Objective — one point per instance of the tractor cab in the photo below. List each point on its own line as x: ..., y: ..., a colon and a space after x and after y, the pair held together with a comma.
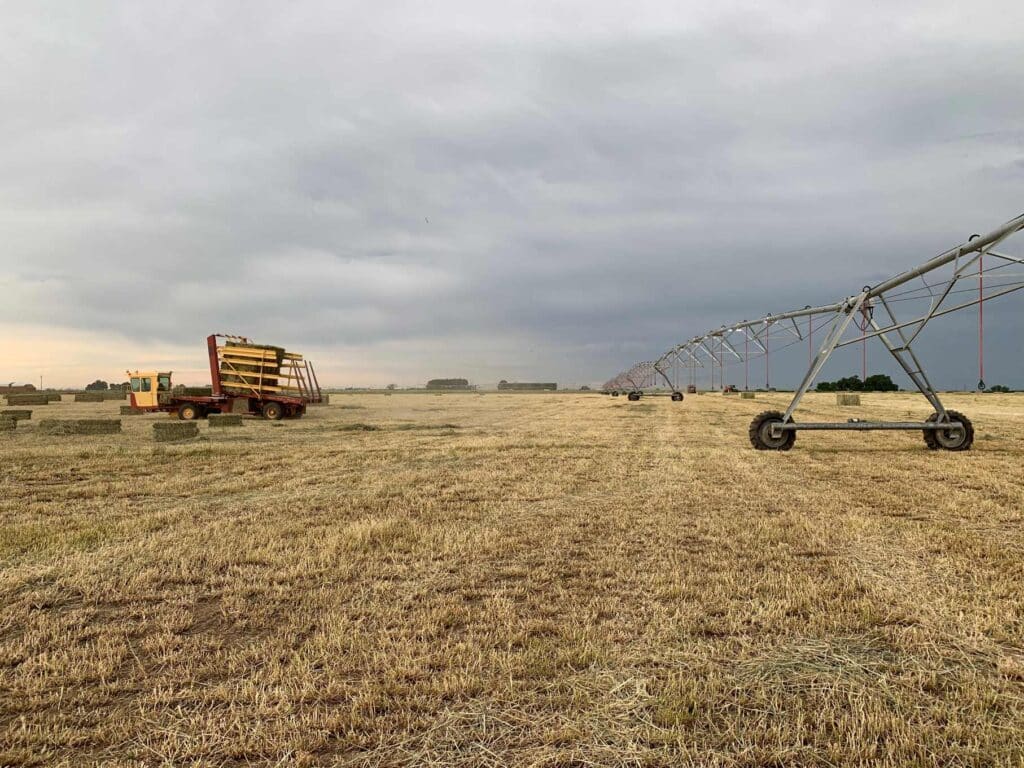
x: 147, y: 386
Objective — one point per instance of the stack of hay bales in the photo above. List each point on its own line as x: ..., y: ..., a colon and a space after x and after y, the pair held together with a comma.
x: 224, y: 420
x: 172, y: 431
x: 35, y: 398
x: 15, y: 414
x: 90, y: 397
x: 53, y: 397
x: 245, y: 367
x: 182, y: 391
x: 747, y: 395
x: 127, y: 410
x: 114, y: 394
x: 847, y: 398
x: 7, y: 424
x: 79, y: 426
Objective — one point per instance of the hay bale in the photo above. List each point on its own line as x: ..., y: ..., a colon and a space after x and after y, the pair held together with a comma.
x: 171, y: 431
x: 127, y: 410
x: 16, y: 415
x: 7, y: 425
x: 89, y: 397
x: 747, y: 395
x: 224, y: 420
x: 79, y: 426
x: 53, y: 397
x: 847, y: 398
x: 114, y: 394
x: 28, y: 399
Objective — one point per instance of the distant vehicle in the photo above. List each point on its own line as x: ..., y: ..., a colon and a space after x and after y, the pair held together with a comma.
x: 248, y: 378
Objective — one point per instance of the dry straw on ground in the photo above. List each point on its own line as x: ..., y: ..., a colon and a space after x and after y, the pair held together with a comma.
x: 225, y: 420
x: 566, y: 580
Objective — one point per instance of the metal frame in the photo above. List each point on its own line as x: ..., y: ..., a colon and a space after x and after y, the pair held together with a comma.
x: 880, y: 320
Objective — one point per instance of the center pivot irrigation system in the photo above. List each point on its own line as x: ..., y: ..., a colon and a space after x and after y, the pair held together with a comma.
x: 894, y: 312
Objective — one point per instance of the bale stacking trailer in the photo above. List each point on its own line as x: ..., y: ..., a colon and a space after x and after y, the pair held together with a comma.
x: 257, y: 379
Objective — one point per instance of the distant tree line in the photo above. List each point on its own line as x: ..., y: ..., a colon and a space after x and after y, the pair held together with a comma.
x: 876, y: 382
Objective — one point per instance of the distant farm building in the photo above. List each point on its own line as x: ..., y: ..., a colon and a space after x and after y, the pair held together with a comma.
x: 448, y: 384
x: 528, y: 386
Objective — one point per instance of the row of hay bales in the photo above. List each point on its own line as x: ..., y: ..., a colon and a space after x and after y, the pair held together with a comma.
x: 45, y: 398
x: 163, y: 431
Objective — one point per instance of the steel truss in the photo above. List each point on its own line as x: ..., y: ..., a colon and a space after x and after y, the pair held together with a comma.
x: 892, y: 312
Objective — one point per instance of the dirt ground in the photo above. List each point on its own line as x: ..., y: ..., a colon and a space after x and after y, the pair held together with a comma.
x: 501, y: 579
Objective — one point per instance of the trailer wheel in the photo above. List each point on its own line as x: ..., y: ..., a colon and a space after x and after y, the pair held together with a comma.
x: 953, y: 439
x: 272, y: 411
x: 189, y: 412
x: 634, y: 396
x: 677, y: 397
x: 761, y: 433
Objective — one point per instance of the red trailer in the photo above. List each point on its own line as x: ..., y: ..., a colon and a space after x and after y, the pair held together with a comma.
x: 247, y: 378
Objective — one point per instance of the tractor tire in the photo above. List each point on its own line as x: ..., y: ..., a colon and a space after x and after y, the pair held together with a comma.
x: 761, y: 435
x: 189, y: 412
x: 677, y: 397
x: 950, y: 439
x: 633, y: 396
x: 272, y: 411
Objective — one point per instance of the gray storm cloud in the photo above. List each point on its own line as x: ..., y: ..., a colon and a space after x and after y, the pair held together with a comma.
x: 574, y: 186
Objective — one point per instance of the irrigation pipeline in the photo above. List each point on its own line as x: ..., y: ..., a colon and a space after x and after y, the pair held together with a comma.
x: 875, y: 309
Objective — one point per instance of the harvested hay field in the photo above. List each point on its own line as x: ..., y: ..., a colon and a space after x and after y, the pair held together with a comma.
x: 566, y: 580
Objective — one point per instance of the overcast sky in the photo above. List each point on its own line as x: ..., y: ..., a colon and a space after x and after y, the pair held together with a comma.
x: 492, y: 190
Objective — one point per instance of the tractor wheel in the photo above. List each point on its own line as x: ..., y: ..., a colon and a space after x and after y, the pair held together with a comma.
x: 189, y: 412
x: 633, y: 396
x: 677, y: 397
x: 272, y: 411
x: 761, y: 433
x: 953, y: 439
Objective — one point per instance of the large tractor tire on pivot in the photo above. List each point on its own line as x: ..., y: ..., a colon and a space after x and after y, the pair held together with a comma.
x: 677, y: 397
x: 761, y: 433
x: 952, y: 439
x: 633, y: 396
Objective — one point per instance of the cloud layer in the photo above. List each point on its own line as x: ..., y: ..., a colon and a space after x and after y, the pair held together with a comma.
x: 552, y: 191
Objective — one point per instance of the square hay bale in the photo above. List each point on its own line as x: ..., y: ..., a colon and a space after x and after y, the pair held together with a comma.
x: 28, y: 399
x: 747, y: 395
x: 7, y: 425
x: 53, y: 397
x: 15, y: 414
x: 127, y: 410
x: 89, y: 397
x: 847, y: 398
x: 224, y: 420
x: 79, y: 426
x: 172, y: 431
x: 114, y: 394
